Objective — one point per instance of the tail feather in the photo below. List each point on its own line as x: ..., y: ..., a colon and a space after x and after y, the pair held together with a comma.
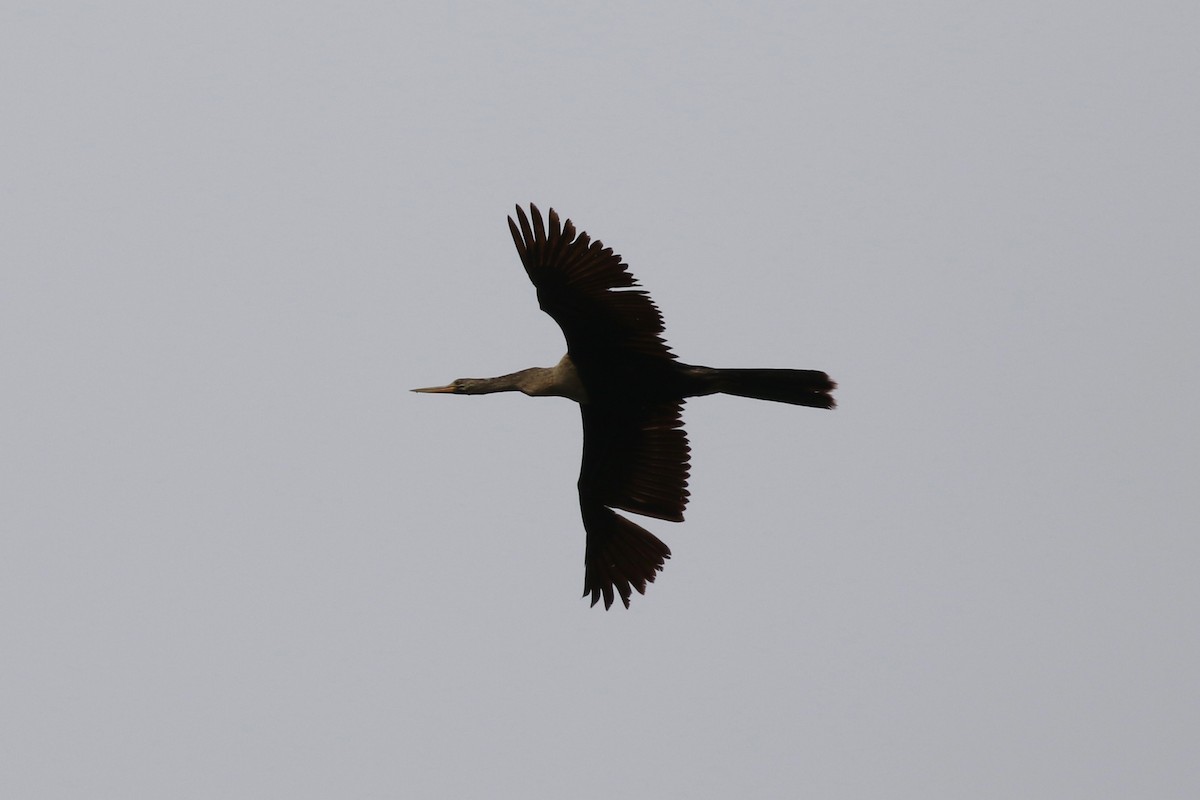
x: 801, y: 387
x: 621, y: 556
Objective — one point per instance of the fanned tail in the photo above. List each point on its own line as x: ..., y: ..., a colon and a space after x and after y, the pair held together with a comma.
x: 620, y: 556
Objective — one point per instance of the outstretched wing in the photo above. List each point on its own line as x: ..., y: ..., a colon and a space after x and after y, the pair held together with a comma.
x: 634, y: 458
x: 635, y: 452
x: 588, y: 291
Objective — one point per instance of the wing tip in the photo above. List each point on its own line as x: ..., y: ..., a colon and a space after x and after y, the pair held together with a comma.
x: 621, y: 557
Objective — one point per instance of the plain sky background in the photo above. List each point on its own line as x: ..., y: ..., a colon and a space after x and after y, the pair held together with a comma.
x: 240, y: 560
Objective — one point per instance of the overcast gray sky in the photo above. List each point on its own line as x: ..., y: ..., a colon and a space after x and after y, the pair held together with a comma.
x: 240, y: 560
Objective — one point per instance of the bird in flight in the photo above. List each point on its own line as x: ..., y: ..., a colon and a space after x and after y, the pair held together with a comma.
x: 630, y: 389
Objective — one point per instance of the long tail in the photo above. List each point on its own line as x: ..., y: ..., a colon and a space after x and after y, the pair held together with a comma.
x: 801, y: 387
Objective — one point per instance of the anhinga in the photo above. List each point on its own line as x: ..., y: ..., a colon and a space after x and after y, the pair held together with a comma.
x: 630, y: 390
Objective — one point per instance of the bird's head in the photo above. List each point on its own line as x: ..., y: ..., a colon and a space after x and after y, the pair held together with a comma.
x: 514, y: 382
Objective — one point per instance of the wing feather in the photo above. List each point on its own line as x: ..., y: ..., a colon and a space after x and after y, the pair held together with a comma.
x: 621, y: 556
x: 588, y: 290
x: 636, y: 458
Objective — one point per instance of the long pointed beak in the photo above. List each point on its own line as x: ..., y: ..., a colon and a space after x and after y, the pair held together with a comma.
x: 448, y: 389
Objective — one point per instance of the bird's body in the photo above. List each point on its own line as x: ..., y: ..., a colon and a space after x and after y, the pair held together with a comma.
x: 630, y: 389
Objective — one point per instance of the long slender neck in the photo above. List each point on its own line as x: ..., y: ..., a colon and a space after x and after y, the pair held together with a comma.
x: 561, y: 380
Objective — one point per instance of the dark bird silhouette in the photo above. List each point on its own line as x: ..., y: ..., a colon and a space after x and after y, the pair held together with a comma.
x: 630, y: 389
